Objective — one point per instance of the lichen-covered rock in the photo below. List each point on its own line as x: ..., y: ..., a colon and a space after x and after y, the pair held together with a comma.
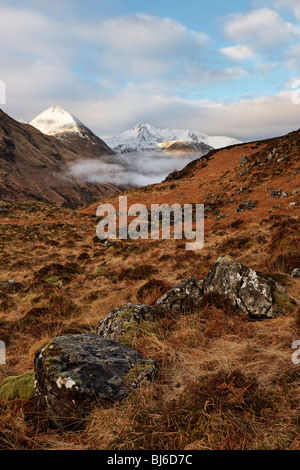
x: 118, y: 320
x: 19, y: 387
x: 75, y: 372
x: 246, y: 290
x: 184, y: 296
x: 296, y: 272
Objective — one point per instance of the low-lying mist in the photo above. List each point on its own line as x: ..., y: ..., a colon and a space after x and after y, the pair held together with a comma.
x: 134, y: 169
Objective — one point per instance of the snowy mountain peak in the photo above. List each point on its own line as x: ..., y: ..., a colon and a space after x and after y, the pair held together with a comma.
x: 144, y: 137
x: 56, y: 120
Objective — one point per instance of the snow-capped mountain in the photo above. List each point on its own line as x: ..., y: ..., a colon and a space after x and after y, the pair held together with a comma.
x: 71, y: 132
x: 145, y: 137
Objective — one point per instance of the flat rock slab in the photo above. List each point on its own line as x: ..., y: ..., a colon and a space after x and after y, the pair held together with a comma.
x: 75, y: 372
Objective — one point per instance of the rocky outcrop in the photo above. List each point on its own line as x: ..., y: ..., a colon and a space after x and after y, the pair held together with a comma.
x: 75, y: 372
x: 118, y: 320
x: 246, y: 290
x: 185, y: 296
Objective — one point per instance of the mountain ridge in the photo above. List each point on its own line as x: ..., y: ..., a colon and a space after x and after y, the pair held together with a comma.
x: 145, y: 137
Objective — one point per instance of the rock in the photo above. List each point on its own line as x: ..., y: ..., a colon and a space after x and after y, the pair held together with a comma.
x: 296, y: 272
x: 109, y: 243
x: 243, y: 160
x: 17, y: 387
x: 75, y: 372
x: 246, y: 290
x: 281, y: 159
x: 278, y: 193
x: 11, y: 285
x: 247, y: 205
x: 120, y: 319
x: 183, y: 297
x: 244, y: 172
x: 272, y: 154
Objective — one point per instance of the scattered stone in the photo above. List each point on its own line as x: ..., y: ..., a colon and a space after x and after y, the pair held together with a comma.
x: 240, y: 190
x: 109, y: 243
x: 19, y: 387
x: 272, y: 154
x: 281, y: 159
x: 278, y: 193
x: 246, y: 290
x: 118, y: 320
x: 75, y: 372
x: 11, y: 285
x: 243, y: 160
x: 244, y: 172
x: 247, y: 205
x: 296, y: 272
x: 185, y: 296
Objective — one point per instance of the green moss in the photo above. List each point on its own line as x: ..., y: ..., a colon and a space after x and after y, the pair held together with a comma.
x: 133, y: 329
x: 21, y: 387
x: 52, y: 280
x: 100, y: 271
x: 283, y: 301
x: 134, y: 373
x: 126, y: 314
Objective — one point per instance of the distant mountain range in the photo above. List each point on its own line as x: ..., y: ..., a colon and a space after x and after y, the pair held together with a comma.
x: 145, y: 137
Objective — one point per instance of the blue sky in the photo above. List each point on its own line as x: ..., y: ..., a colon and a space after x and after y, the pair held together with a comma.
x: 213, y: 66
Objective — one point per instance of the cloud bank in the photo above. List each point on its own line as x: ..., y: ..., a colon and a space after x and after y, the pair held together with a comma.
x: 117, y: 71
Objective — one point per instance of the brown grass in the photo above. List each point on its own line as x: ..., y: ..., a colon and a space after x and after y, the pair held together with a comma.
x: 224, y: 382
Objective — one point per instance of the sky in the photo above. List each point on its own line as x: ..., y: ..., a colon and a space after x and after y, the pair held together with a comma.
x: 222, y: 68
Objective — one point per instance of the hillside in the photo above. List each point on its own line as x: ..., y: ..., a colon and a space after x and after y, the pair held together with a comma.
x: 225, y: 381
x: 36, y: 167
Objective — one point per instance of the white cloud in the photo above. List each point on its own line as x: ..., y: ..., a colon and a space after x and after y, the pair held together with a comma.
x: 293, y: 56
x: 142, y: 45
x: 263, y: 29
x: 240, y: 52
x: 292, y: 4
x: 248, y: 119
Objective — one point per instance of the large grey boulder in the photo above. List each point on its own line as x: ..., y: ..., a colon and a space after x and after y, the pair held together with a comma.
x: 115, y: 324
x: 75, y: 372
x: 246, y: 290
x: 185, y: 296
